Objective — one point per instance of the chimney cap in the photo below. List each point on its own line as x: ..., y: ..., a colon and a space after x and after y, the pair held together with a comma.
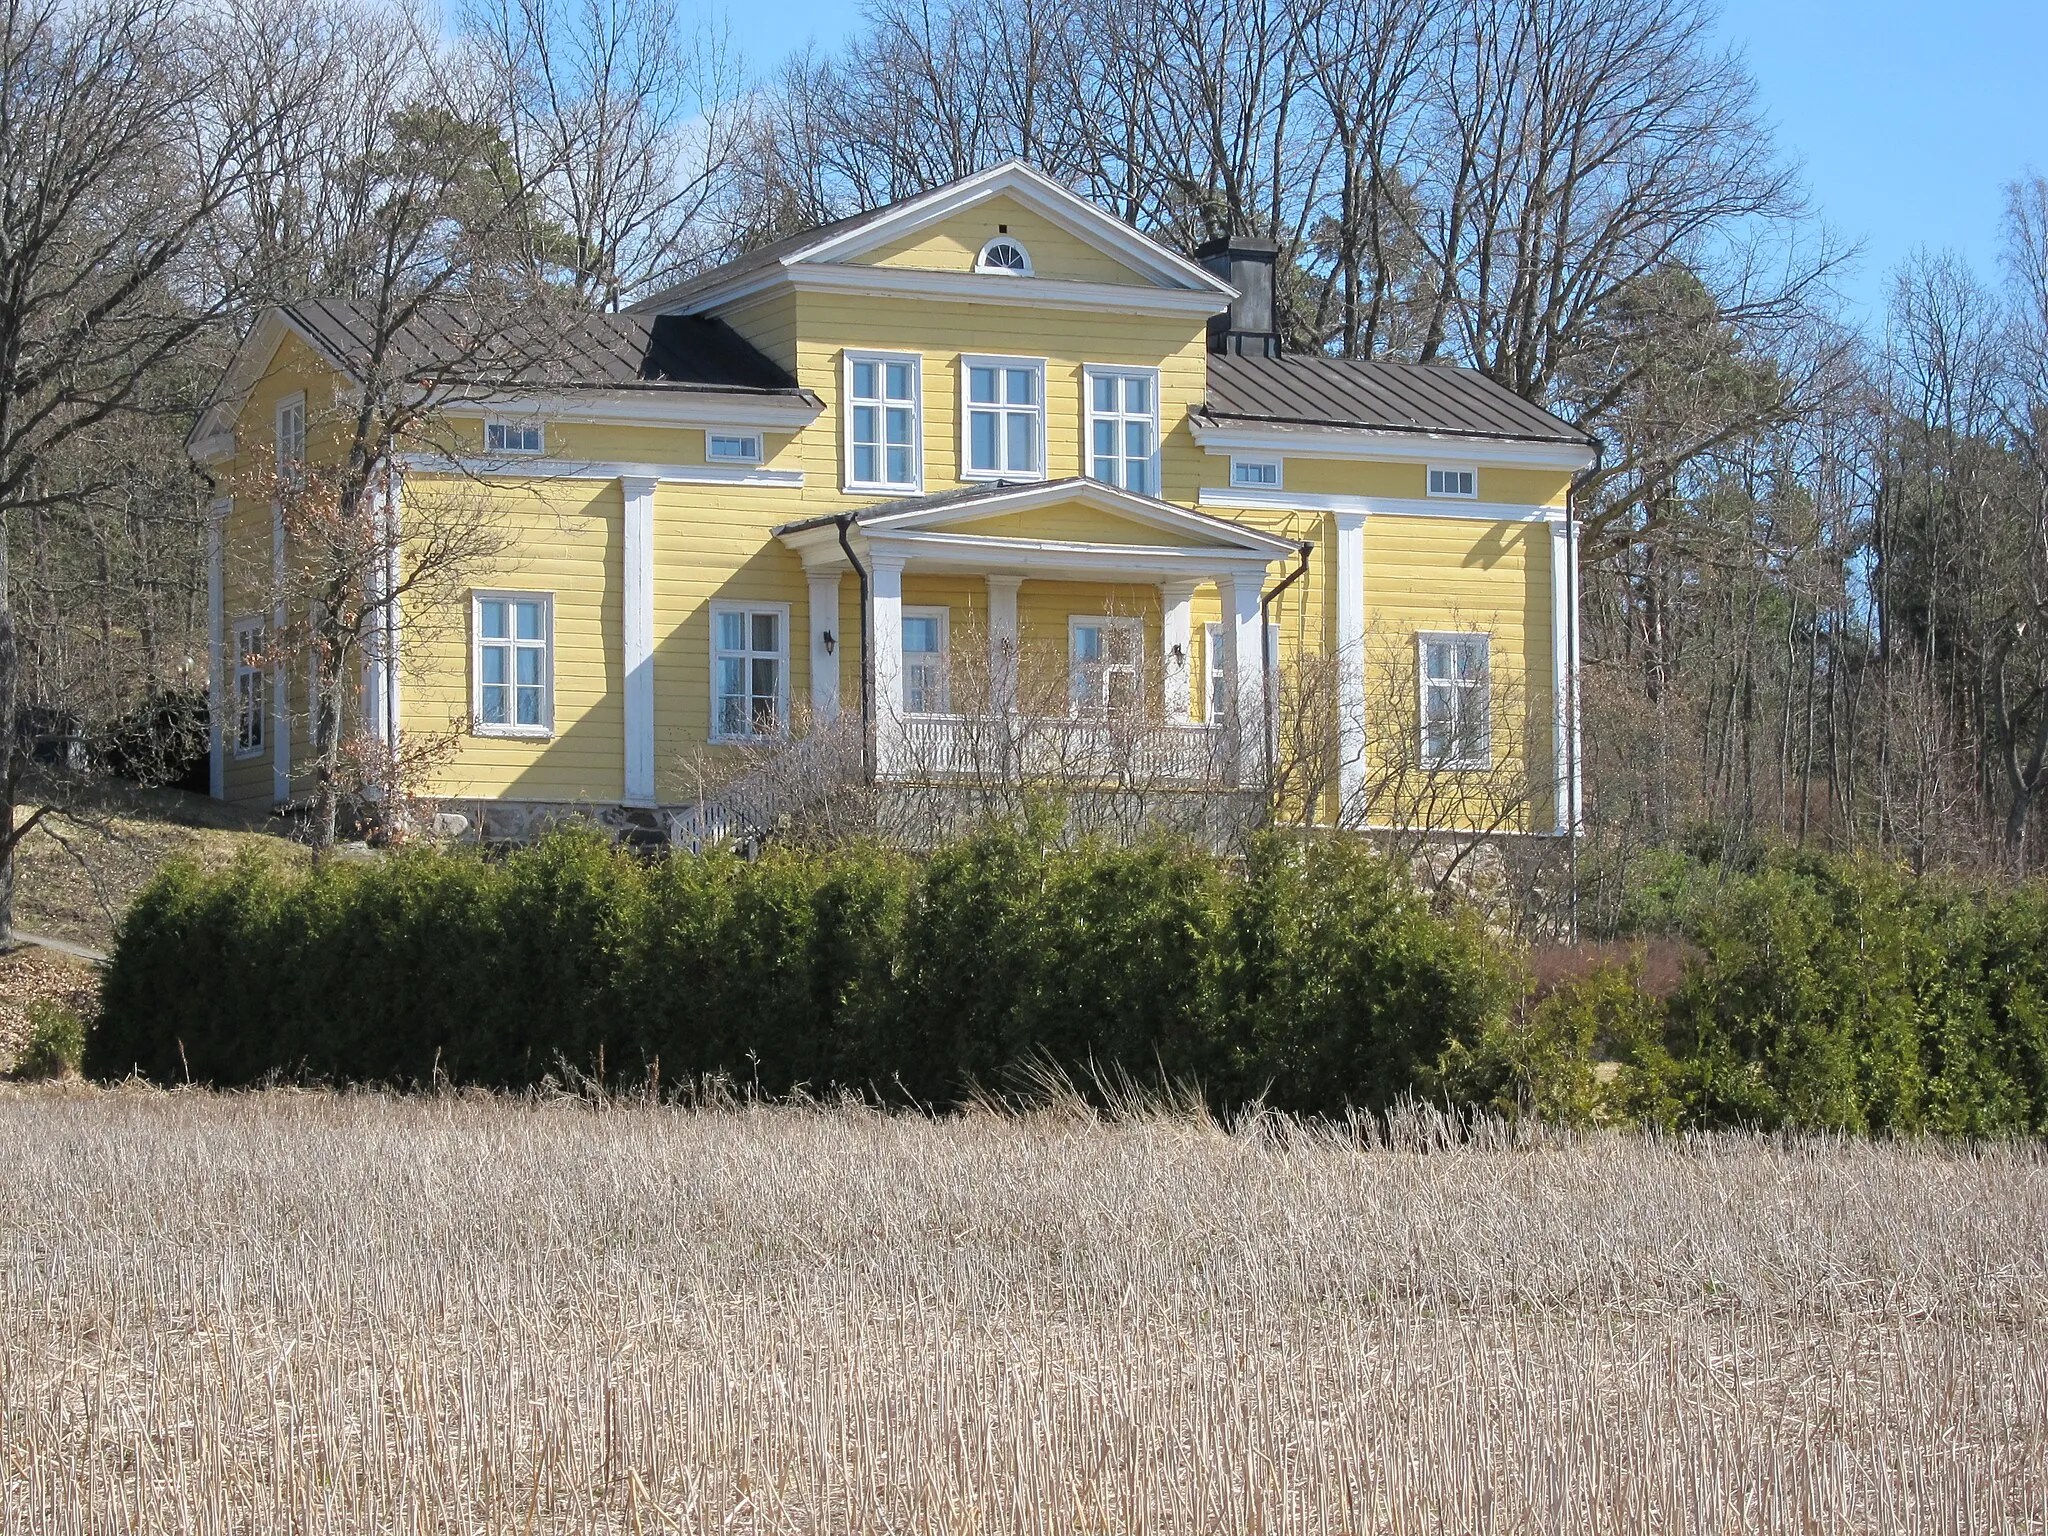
x: 1247, y: 245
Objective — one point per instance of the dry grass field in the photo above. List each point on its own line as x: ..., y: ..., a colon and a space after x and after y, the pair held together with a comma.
x: 295, y: 1312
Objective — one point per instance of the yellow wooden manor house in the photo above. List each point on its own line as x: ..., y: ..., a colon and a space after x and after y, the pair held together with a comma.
x: 987, y: 454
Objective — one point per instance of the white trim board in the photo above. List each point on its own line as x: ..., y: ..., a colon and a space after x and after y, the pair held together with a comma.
x: 1384, y: 506
x: 1400, y: 447
x: 592, y: 469
x: 632, y: 408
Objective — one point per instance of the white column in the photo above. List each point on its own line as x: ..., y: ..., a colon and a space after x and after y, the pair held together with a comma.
x: 1560, y: 672
x: 885, y: 583
x: 394, y: 676
x: 1350, y: 667
x: 1002, y: 643
x: 1176, y: 641
x: 827, y: 637
x: 1244, y: 673
x: 216, y: 690
x: 280, y: 675
x: 639, y: 637
x: 1573, y: 672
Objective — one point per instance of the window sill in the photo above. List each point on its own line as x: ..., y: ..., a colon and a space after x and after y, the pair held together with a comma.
x: 1002, y: 477
x: 856, y: 488
x: 250, y: 755
x: 515, y: 732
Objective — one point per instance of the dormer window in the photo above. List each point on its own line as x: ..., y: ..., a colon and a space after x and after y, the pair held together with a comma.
x: 1006, y: 256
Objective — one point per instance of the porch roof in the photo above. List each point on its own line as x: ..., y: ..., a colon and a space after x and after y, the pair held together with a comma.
x: 951, y: 530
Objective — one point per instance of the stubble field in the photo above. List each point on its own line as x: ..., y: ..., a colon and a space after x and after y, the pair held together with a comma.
x: 298, y: 1312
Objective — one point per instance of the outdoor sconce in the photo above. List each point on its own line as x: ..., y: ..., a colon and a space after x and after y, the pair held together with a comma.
x: 1180, y: 657
x: 830, y: 644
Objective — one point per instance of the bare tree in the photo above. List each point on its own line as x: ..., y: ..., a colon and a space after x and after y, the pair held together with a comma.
x: 105, y: 180
x: 627, y: 124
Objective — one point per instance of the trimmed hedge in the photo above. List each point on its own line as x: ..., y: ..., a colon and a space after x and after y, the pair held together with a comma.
x: 1309, y: 974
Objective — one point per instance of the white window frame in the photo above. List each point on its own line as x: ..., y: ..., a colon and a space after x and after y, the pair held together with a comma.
x: 250, y: 688
x: 970, y: 361
x: 1478, y: 761
x: 751, y: 449
x: 1212, y: 665
x: 1099, y: 708
x: 945, y: 618
x: 290, y: 438
x: 1090, y: 372
x: 881, y: 361
x: 512, y: 728
x: 1262, y: 462
x: 505, y: 426
x: 1430, y: 481
x: 747, y: 610
x: 982, y: 264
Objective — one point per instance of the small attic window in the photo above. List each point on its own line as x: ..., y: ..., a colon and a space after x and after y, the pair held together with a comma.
x: 1005, y: 255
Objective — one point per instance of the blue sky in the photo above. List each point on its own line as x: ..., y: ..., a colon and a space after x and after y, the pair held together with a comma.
x: 1907, y: 118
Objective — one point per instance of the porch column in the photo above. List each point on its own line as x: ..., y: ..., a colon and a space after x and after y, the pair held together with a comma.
x: 1244, y: 673
x: 1176, y: 607
x: 1002, y: 643
x: 885, y: 582
x: 1350, y: 667
x: 825, y: 629
x: 638, y: 637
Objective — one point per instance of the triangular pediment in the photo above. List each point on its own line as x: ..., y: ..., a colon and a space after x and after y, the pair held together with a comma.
x: 927, y: 245
x: 1075, y: 512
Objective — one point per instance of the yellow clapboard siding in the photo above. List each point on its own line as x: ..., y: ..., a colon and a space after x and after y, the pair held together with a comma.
x: 952, y: 245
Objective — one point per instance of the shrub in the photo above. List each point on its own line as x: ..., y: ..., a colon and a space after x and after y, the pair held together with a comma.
x: 55, y: 1045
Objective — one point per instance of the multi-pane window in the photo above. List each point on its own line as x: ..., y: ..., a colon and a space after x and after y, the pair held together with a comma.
x: 1123, y: 429
x: 291, y: 439
x: 1005, y: 418
x: 732, y: 447
x: 1453, y: 481
x: 1255, y: 474
x: 924, y: 661
x: 1457, y: 707
x: 1005, y: 256
x: 249, y: 689
x: 1105, y: 657
x: 749, y: 672
x: 514, y: 673
x: 512, y: 437
x: 882, y: 392
x: 1219, y: 682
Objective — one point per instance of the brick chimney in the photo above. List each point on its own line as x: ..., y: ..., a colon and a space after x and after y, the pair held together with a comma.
x: 1247, y: 263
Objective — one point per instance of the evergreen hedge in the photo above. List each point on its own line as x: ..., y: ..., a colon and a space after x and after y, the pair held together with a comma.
x: 1309, y: 974
x: 1822, y: 993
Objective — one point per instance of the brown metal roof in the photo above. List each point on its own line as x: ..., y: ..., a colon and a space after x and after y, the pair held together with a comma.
x: 580, y: 350
x: 761, y: 258
x: 1311, y: 391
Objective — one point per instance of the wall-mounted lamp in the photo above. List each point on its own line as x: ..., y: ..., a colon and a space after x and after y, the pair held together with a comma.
x: 830, y: 644
x: 1180, y: 656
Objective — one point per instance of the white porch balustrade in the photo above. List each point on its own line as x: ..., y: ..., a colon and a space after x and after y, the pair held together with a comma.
x: 1081, y: 751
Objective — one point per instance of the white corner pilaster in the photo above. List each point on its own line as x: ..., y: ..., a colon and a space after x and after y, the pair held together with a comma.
x: 1560, y: 673
x: 828, y: 636
x: 638, y: 637
x: 1002, y: 642
x: 885, y: 583
x: 1244, y: 673
x: 1176, y: 640
x: 1350, y: 667
x: 216, y: 687
x: 280, y: 674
